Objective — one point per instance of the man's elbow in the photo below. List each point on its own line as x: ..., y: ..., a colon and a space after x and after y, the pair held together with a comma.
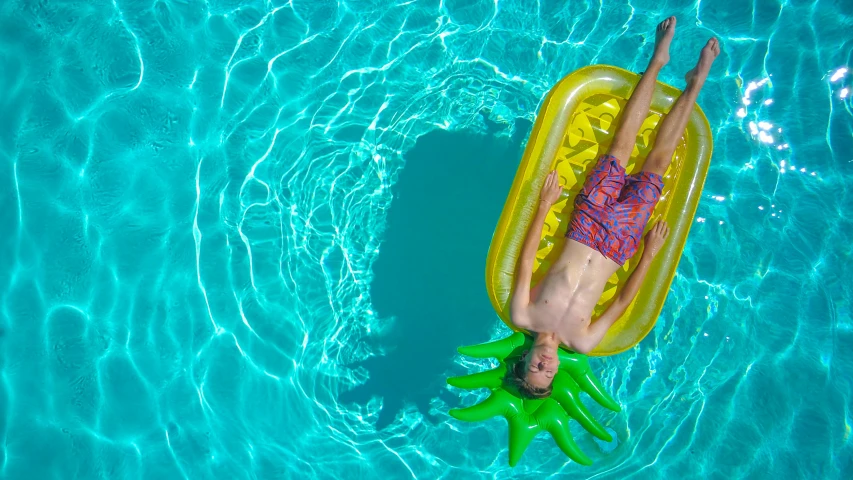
x: 622, y: 302
x: 583, y: 347
x: 587, y: 343
x: 519, y: 318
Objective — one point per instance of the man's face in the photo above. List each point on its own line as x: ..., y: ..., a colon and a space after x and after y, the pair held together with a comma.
x: 541, y: 364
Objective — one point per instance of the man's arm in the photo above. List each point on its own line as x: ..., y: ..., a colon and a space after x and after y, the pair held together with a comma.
x: 596, y: 331
x: 524, y: 270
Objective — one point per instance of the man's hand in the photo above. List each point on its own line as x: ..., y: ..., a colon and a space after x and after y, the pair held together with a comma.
x: 655, y: 238
x: 551, y: 190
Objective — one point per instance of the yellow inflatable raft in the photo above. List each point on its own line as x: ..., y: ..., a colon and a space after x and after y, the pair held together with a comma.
x: 574, y: 127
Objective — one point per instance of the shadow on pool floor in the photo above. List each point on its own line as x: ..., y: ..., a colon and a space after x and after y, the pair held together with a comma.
x: 429, y: 277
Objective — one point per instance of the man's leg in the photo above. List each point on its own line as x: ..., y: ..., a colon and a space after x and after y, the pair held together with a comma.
x: 637, y: 108
x: 676, y: 120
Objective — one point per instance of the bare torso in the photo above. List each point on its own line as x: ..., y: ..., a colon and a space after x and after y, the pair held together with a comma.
x: 564, y: 300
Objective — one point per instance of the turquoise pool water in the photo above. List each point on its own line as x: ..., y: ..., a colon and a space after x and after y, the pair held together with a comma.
x: 242, y: 239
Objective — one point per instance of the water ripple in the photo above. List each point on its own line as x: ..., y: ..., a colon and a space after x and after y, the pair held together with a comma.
x: 197, y: 193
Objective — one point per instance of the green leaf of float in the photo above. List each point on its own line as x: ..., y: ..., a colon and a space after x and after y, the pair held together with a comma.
x: 488, y: 379
x: 527, y: 417
x: 577, y: 365
x: 557, y: 424
x: 521, y: 433
x: 500, y: 402
x: 567, y: 393
x: 594, y: 389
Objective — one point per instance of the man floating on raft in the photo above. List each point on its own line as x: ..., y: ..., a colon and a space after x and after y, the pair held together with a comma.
x: 611, y: 212
x: 543, y: 367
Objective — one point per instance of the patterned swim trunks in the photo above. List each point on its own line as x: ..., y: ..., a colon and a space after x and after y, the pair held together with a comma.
x: 612, y: 209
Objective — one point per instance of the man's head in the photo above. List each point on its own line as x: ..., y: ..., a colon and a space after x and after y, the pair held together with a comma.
x: 534, y: 372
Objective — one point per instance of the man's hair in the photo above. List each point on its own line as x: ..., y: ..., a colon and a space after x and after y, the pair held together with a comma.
x: 516, y: 377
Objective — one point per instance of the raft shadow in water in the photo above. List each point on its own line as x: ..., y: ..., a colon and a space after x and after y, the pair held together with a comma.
x: 431, y: 266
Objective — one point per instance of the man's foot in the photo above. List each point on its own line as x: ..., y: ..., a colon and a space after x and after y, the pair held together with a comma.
x: 699, y: 73
x: 663, y: 37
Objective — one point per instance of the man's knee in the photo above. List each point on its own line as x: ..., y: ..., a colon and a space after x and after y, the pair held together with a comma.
x: 621, y: 150
x: 657, y: 162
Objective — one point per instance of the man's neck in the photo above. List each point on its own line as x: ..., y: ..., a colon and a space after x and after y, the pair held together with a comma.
x: 546, y: 338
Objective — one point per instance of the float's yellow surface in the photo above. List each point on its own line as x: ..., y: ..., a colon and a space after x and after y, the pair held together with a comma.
x: 574, y: 127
